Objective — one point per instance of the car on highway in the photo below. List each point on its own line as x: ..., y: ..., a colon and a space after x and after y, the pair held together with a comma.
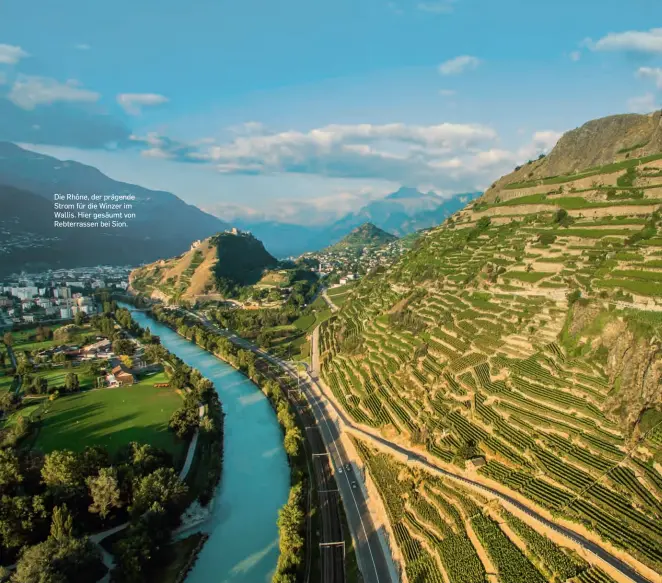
x: 348, y: 467
x: 354, y: 485
x: 340, y: 469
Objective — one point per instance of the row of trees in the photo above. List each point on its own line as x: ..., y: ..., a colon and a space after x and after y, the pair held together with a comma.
x: 292, y: 515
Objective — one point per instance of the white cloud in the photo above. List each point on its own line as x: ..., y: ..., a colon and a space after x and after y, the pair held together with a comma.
x: 82, y: 47
x: 459, y: 65
x: 447, y: 92
x: 437, y: 6
x: 133, y: 103
x: 632, y: 40
x: 446, y: 157
x: 11, y: 54
x: 653, y: 73
x: 29, y: 91
x: 547, y: 138
x: 642, y: 104
x: 575, y: 56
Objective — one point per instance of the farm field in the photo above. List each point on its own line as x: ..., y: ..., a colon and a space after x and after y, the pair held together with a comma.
x: 112, y: 418
x: 503, y: 339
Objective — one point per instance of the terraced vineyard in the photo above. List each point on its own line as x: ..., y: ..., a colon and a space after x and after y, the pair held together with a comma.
x: 525, y: 330
x: 446, y: 533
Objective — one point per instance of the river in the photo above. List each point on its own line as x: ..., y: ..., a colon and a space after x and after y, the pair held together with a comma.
x: 243, y: 541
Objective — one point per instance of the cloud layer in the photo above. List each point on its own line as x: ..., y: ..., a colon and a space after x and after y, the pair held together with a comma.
x: 446, y: 156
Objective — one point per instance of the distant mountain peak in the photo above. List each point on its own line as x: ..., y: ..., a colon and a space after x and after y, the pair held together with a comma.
x: 405, y: 192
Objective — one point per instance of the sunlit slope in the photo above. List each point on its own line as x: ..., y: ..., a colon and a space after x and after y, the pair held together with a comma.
x: 527, y: 330
x: 213, y: 268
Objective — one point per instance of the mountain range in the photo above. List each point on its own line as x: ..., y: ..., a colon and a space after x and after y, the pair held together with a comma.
x: 399, y: 213
x: 164, y: 224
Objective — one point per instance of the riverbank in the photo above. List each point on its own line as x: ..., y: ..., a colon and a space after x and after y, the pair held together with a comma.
x: 201, y: 418
x: 242, y: 547
x: 295, y: 556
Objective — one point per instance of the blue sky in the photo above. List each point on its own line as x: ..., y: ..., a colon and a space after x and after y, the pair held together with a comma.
x: 304, y: 109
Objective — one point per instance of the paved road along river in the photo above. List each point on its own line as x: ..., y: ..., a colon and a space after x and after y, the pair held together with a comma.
x: 243, y: 542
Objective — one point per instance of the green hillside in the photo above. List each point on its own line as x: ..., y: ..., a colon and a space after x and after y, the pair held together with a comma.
x: 367, y: 235
x: 527, y: 329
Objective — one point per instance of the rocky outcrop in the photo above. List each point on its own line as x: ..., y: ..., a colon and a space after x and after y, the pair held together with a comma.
x: 631, y: 357
x: 634, y: 366
x: 596, y: 143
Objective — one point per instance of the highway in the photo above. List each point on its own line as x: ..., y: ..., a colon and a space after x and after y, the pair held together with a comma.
x: 374, y: 559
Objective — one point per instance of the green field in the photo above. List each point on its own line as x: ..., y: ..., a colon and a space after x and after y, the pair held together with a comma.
x: 112, y: 418
x: 24, y: 339
x: 56, y: 377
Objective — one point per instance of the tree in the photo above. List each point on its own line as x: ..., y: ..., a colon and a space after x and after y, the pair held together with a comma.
x: 24, y: 367
x: 71, y: 382
x: 291, y: 518
x: 8, y: 339
x: 79, y: 319
x: 7, y: 400
x: 40, y: 385
x: 162, y: 488
x: 10, y: 469
x: 127, y: 361
x: 23, y: 520
x: 184, y: 421
x: 293, y: 439
x: 62, y: 525
x: 104, y: 491
x: 60, y: 561
x: 123, y: 346
x: 62, y: 471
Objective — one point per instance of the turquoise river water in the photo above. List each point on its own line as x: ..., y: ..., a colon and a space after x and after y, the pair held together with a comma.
x: 243, y: 541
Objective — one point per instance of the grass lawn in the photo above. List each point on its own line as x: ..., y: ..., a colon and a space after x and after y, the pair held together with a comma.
x: 113, y: 418
x: 5, y: 382
x: 56, y: 377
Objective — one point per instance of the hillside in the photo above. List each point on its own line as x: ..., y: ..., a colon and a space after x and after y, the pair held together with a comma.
x: 215, y: 268
x: 527, y: 330
x: 367, y: 235
x: 164, y: 224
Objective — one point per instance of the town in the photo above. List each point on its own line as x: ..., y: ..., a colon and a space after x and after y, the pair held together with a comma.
x: 56, y: 295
